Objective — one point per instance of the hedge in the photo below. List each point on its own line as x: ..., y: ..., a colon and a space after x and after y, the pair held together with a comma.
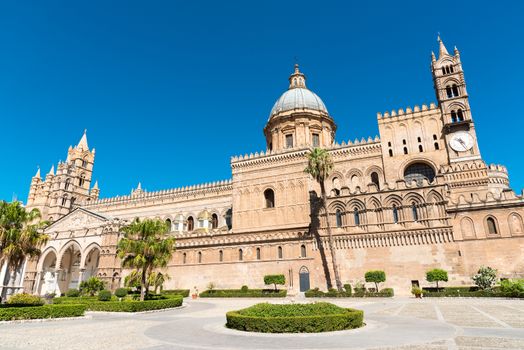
x: 182, y: 292
x: 37, y: 312
x: 333, y: 293
x: 238, y: 293
x: 469, y: 292
x: 134, y: 306
x: 294, y: 318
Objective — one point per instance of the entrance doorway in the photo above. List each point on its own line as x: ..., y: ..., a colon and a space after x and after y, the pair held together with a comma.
x: 304, y: 279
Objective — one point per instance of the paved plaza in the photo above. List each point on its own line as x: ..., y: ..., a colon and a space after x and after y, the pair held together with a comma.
x: 399, y: 323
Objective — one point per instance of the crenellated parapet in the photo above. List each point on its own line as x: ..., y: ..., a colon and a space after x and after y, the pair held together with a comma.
x: 408, y: 113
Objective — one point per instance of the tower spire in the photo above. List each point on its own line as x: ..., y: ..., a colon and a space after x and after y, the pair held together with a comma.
x: 442, y: 48
x: 297, y: 79
x: 82, y: 144
x: 52, y: 171
x: 37, y: 173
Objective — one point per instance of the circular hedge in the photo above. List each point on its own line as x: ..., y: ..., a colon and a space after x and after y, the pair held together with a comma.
x: 294, y: 318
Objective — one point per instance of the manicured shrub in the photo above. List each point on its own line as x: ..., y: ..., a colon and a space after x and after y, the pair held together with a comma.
x: 74, y: 300
x: 294, y: 318
x: 73, y: 293
x: 182, y: 292
x: 121, y: 292
x: 104, y: 295
x: 512, y: 288
x: 347, y: 288
x: 470, y: 292
x: 244, y: 289
x: 437, y: 275
x: 485, y: 277
x: 375, y: 276
x: 134, y: 306
x: 333, y: 293
x: 91, y: 286
x: 36, y: 312
x: 24, y: 299
x: 238, y: 293
x: 274, y: 280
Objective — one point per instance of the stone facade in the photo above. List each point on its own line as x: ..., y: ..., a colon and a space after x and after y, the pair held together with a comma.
x: 418, y: 197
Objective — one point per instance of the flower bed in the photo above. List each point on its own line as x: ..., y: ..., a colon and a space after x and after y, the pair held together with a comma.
x: 243, y: 293
x: 294, y: 318
x: 92, y: 304
x: 38, y: 312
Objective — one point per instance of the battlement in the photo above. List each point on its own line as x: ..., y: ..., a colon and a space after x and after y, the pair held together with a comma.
x: 472, y: 165
x: 217, y: 186
x: 408, y: 113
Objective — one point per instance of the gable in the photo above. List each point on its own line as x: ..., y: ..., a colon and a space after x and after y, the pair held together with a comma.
x: 77, y: 219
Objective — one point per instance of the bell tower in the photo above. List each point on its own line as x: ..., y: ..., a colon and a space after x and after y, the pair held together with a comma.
x: 452, y: 97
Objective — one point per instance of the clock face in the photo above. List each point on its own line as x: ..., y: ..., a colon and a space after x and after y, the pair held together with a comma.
x: 461, y: 141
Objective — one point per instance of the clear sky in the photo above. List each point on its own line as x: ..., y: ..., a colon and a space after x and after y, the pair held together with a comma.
x: 170, y: 90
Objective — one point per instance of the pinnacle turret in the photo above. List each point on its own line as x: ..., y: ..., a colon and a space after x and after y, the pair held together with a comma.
x: 297, y: 79
x: 82, y: 144
x: 442, y: 51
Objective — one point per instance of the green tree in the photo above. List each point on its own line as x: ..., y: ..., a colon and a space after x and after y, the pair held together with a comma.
x: 144, y: 247
x: 21, y: 236
x: 437, y: 275
x: 274, y: 280
x: 320, y: 166
x: 157, y: 280
x: 485, y: 277
x: 375, y: 276
x: 91, y: 286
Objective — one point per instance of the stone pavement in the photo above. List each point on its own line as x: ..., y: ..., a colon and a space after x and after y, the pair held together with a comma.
x: 398, y: 323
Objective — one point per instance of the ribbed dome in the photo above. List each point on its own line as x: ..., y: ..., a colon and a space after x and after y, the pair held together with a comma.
x: 298, y: 98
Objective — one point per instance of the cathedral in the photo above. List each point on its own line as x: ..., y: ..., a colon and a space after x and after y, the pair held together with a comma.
x: 418, y: 197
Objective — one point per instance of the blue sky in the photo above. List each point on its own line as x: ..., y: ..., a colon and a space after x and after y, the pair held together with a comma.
x: 169, y: 90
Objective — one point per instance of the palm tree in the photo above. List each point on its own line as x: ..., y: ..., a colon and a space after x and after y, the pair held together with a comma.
x: 319, y: 167
x: 157, y: 280
x: 144, y: 247
x: 20, y: 236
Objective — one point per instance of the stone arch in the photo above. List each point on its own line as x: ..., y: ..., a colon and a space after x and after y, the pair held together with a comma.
x: 491, y: 225
x: 69, y: 265
x: 404, y: 165
x: 66, y: 246
x: 46, y: 269
x: 413, y: 197
x: 515, y: 224
x: 467, y: 228
x: 393, y: 199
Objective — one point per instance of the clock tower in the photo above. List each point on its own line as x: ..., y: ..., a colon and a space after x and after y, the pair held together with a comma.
x: 452, y: 96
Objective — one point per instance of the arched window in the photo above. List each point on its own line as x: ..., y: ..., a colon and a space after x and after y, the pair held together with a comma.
x: 240, y: 255
x: 229, y: 218
x: 455, y: 90
x: 67, y: 183
x: 280, y: 253
x: 451, y: 69
x: 258, y: 253
x: 375, y: 180
x: 460, y: 115
x: 184, y: 258
x: 390, y: 152
x: 443, y: 70
x: 303, y: 252
x: 405, y: 150
x: 84, y: 163
x: 214, y: 221
x: 414, y: 212
x: 190, y: 223
x: 449, y: 93
x: 453, y: 116
x: 64, y: 200
x: 81, y: 180
x: 436, y: 146
x: 418, y: 172
x: 395, y: 214
x: 492, y: 226
x: 356, y: 216
x: 338, y: 215
x: 420, y: 149
x: 269, y: 196
x: 199, y: 257
x: 220, y: 255
x: 169, y: 226
x: 419, y: 139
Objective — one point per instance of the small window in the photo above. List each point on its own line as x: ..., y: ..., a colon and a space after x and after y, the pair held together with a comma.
x: 271, y: 146
x: 395, y: 214
x: 451, y: 69
x: 84, y: 163
x: 460, y: 115
x: 64, y: 200
x: 214, y: 221
x: 81, y: 180
x: 356, y: 217
x: 375, y: 180
x: 280, y: 253
x: 434, y: 137
x: 316, y: 140
x: 190, y: 223
x: 453, y: 116
x: 199, y: 257
x: 414, y: 212
x: 449, y: 93
x: 419, y: 139
x: 390, y: 152
x: 168, y: 225
x: 443, y: 70
x: 337, y: 192
x: 420, y: 148
x: 184, y: 258
x: 338, y: 215
x: 220, y: 255
x: 455, y: 90
x: 436, y: 146
x: 269, y: 196
x: 303, y: 252
x: 289, y: 141
x: 405, y: 150
x: 229, y: 218
x: 240, y: 255
x: 67, y: 183
x: 389, y: 144
x: 492, y: 226
x: 404, y: 142
x: 258, y: 253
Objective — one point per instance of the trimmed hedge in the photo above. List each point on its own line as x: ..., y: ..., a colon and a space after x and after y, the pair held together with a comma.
x: 333, y: 293
x: 294, y: 318
x: 74, y: 300
x: 469, y: 292
x: 134, y: 306
x: 182, y: 292
x: 37, y: 312
x: 24, y: 300
x: 239, y: 293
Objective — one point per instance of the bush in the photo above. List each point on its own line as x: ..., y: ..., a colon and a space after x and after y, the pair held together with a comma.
x: 485, y: 277
x: 104, y: 295
x: 347, y: 288
x: 238, y: 293
x: 244, y: 289
x: 74, y: 300
x: 182, y: 292
x: 72, y: 293
x: 134, y: 306
x: 121, y: 292
x: 24, y: 299
x: 470, y: 292
x: 376, y: 277
x: 91, y: 286
x: 513, y: 288
x: 333, y: 293
x: 274, y: 280
x: 437, y: 275
x: 46, y: 311
x: 294, y: 318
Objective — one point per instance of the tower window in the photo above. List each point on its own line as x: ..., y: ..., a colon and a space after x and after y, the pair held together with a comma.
x: 436, y: 146
x: 214, y: 221
x: 395, y: 214
x: 64, y: 200
x: 404, y: 141
x: 460, y: 115
x: 269, y: 196
x: 389, y: 144
x: 405, y: 150
x: 390, y: 152
x: 303, y: 252
x: 338, y: 215
x: 280, y: 253
x: 240, y: 255
x: 414, y: 212
x: 374, y: 179
x: 443, y: 71
x: 455, y: 90
x: 190, y: 223
x: 419, y: 139
x: 356, y: 216
x: 434, y: 137
x: 81, y: 180
x: 289, y: 141
x: 453, y: 116
x: 492, y: 226
x: 451, y: 69
x: 316, y: 140
x: 449, y: 93
x: 418, y: 172
x: 84, y: 163
x: 220, y: 255
x: 67, y: 183
x: 420, y: 149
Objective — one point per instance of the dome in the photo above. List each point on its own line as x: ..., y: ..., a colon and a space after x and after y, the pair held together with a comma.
x: 298, y: 96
